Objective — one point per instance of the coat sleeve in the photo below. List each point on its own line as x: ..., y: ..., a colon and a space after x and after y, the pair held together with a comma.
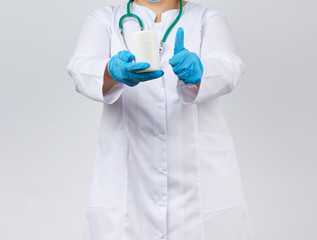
x: 92, y: 53
x: 223, y: 68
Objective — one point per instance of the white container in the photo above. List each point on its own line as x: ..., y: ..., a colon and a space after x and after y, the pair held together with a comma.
x: 146, y: 49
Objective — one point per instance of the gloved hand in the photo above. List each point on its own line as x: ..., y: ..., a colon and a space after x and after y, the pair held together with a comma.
x: 122, y: 69
x: 186, y: 65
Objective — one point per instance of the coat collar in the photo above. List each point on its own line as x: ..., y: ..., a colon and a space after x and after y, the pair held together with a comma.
x: 149, y: 14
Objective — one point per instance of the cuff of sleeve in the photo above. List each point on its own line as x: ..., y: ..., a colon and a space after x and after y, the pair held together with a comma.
x: 190, y: 93
x: 187, y: 92
x: 114, y: 93
x: 89, y: 78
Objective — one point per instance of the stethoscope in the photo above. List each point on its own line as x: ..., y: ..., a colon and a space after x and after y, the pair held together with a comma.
x: 129, y: 14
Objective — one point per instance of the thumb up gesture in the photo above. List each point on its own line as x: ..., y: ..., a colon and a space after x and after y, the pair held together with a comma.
x: 186, y: 65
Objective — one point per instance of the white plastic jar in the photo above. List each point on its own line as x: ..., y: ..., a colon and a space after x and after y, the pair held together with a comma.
x: 146, y: 49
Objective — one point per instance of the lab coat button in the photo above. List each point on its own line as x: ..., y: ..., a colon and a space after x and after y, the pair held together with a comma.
x: 161, y: 170
x: 160, y: 203
x: 160, y: 137
x: 159, y: 105
x: 161, y: 235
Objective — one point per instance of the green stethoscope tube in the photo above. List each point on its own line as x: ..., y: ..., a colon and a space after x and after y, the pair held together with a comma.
x: 129, y: 14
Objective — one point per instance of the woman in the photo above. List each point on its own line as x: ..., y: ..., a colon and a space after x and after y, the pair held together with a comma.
x: 165, y: 165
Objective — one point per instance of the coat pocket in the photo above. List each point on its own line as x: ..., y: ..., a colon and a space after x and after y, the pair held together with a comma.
x: 109, y: 173
x: 220, y: 180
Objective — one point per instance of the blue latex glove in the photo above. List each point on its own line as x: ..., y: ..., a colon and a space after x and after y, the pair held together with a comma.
x: 186, y: 65
x: 122, y: 69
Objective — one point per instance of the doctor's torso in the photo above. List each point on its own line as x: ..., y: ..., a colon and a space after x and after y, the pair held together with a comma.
x: 164, y: 163
x: 145, y: 103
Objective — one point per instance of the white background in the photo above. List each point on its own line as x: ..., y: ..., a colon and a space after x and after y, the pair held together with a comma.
x: 48, y: 132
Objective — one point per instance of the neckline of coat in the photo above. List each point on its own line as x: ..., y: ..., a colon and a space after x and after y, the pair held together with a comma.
x: 152, y: 15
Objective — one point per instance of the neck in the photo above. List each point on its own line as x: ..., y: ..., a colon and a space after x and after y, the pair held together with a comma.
x: 159, y: 7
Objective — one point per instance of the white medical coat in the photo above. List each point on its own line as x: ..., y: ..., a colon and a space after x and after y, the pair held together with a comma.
x: 165, y: 165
